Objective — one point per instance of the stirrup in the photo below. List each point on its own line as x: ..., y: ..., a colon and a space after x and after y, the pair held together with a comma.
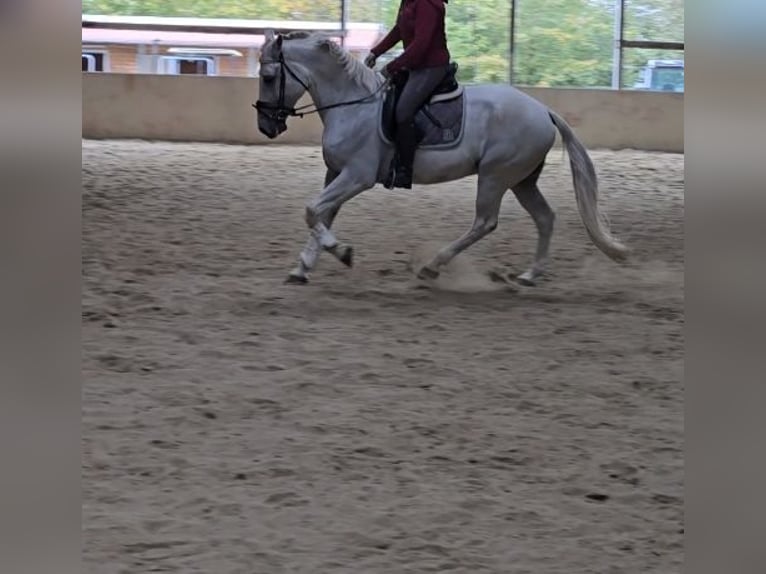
x: 397, y: 176
x: 397, y: 179
x: 390, y: 181
x: 402, y: 179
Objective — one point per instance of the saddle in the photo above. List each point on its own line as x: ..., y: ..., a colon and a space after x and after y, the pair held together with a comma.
x: 438, y: 122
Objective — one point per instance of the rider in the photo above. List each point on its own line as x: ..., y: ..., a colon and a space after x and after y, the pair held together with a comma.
x: 420, y: 27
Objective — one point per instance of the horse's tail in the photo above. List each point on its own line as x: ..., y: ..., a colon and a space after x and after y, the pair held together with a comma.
x: 586, y: 192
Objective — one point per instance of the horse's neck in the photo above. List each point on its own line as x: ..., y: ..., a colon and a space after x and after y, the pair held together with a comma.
x: 331, y: 84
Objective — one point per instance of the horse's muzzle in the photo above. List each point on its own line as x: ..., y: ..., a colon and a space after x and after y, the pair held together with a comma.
x: 271, y: 122
x: 271, y: 128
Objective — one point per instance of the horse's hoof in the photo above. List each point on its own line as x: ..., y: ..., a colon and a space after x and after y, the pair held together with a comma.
x: 428, y: 273
x: 296, y: 279
x: 347, y: 257
x: 526, y: 280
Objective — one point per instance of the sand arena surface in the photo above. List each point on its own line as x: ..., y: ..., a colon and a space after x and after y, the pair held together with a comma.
x: 362, y: 423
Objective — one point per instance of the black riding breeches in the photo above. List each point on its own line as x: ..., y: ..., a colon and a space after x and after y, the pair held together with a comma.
x: 418, y: 89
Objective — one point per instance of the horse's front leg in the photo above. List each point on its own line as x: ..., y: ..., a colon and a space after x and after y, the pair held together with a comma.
x: 343, y: 253
x: 310, y: 253
x: 320, y: 214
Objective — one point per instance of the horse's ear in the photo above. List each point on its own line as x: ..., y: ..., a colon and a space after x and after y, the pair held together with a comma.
x: 268, y: 35
x: 279, y: 41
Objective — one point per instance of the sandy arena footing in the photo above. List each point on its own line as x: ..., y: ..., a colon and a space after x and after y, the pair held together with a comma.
x: 364, y: 424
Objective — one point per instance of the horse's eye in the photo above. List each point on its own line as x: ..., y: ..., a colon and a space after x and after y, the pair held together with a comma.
x: 268, y: 79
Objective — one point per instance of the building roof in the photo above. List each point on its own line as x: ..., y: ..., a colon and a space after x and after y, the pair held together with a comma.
x: 213, y: 32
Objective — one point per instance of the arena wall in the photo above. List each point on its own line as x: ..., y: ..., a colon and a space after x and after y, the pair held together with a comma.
x: 218, y: 109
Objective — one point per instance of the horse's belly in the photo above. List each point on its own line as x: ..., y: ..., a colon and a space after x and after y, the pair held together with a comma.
x: 439, y: 166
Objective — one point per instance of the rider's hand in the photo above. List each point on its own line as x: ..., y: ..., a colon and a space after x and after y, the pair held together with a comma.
x: 370, y: 60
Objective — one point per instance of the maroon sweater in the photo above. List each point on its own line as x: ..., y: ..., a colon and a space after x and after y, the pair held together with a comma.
x: 420, y: 28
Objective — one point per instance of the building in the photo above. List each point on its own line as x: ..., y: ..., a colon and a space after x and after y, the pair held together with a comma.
x: 214, y: 47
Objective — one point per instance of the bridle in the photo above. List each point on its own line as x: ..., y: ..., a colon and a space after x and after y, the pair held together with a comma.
x: 280, y: 112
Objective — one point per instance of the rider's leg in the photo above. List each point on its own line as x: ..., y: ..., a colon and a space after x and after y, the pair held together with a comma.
x: 418, y: 89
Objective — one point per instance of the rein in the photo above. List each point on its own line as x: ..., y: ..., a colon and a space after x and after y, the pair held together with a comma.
x: 280, y: 112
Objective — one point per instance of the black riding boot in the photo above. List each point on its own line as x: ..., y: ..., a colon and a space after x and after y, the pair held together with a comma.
x: 405, y: 155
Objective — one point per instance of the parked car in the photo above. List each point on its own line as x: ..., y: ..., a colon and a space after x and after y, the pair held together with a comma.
x: 661, y: 75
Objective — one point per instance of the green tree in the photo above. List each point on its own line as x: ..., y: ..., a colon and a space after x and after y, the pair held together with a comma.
x: 558, y: 42
x: 318, y: 10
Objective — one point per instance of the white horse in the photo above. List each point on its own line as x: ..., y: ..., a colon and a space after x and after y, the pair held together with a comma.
x: 505, y: 136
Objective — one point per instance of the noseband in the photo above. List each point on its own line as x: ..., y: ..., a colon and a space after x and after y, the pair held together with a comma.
x: 280, y: 112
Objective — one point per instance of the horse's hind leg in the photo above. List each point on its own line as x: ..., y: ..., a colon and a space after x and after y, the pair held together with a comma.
x: 532, y: 200
x: 488, y: 199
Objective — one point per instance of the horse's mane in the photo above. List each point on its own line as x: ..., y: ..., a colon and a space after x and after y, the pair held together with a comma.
x: 353, y: 66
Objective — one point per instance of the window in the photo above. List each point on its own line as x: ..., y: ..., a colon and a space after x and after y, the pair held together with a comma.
x: 95, y: 61
x: 194, y: 65
x: 564, y: 43
x: 649, y: 68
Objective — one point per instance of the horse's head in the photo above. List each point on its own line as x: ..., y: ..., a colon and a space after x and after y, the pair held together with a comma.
x: 279, y: 88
